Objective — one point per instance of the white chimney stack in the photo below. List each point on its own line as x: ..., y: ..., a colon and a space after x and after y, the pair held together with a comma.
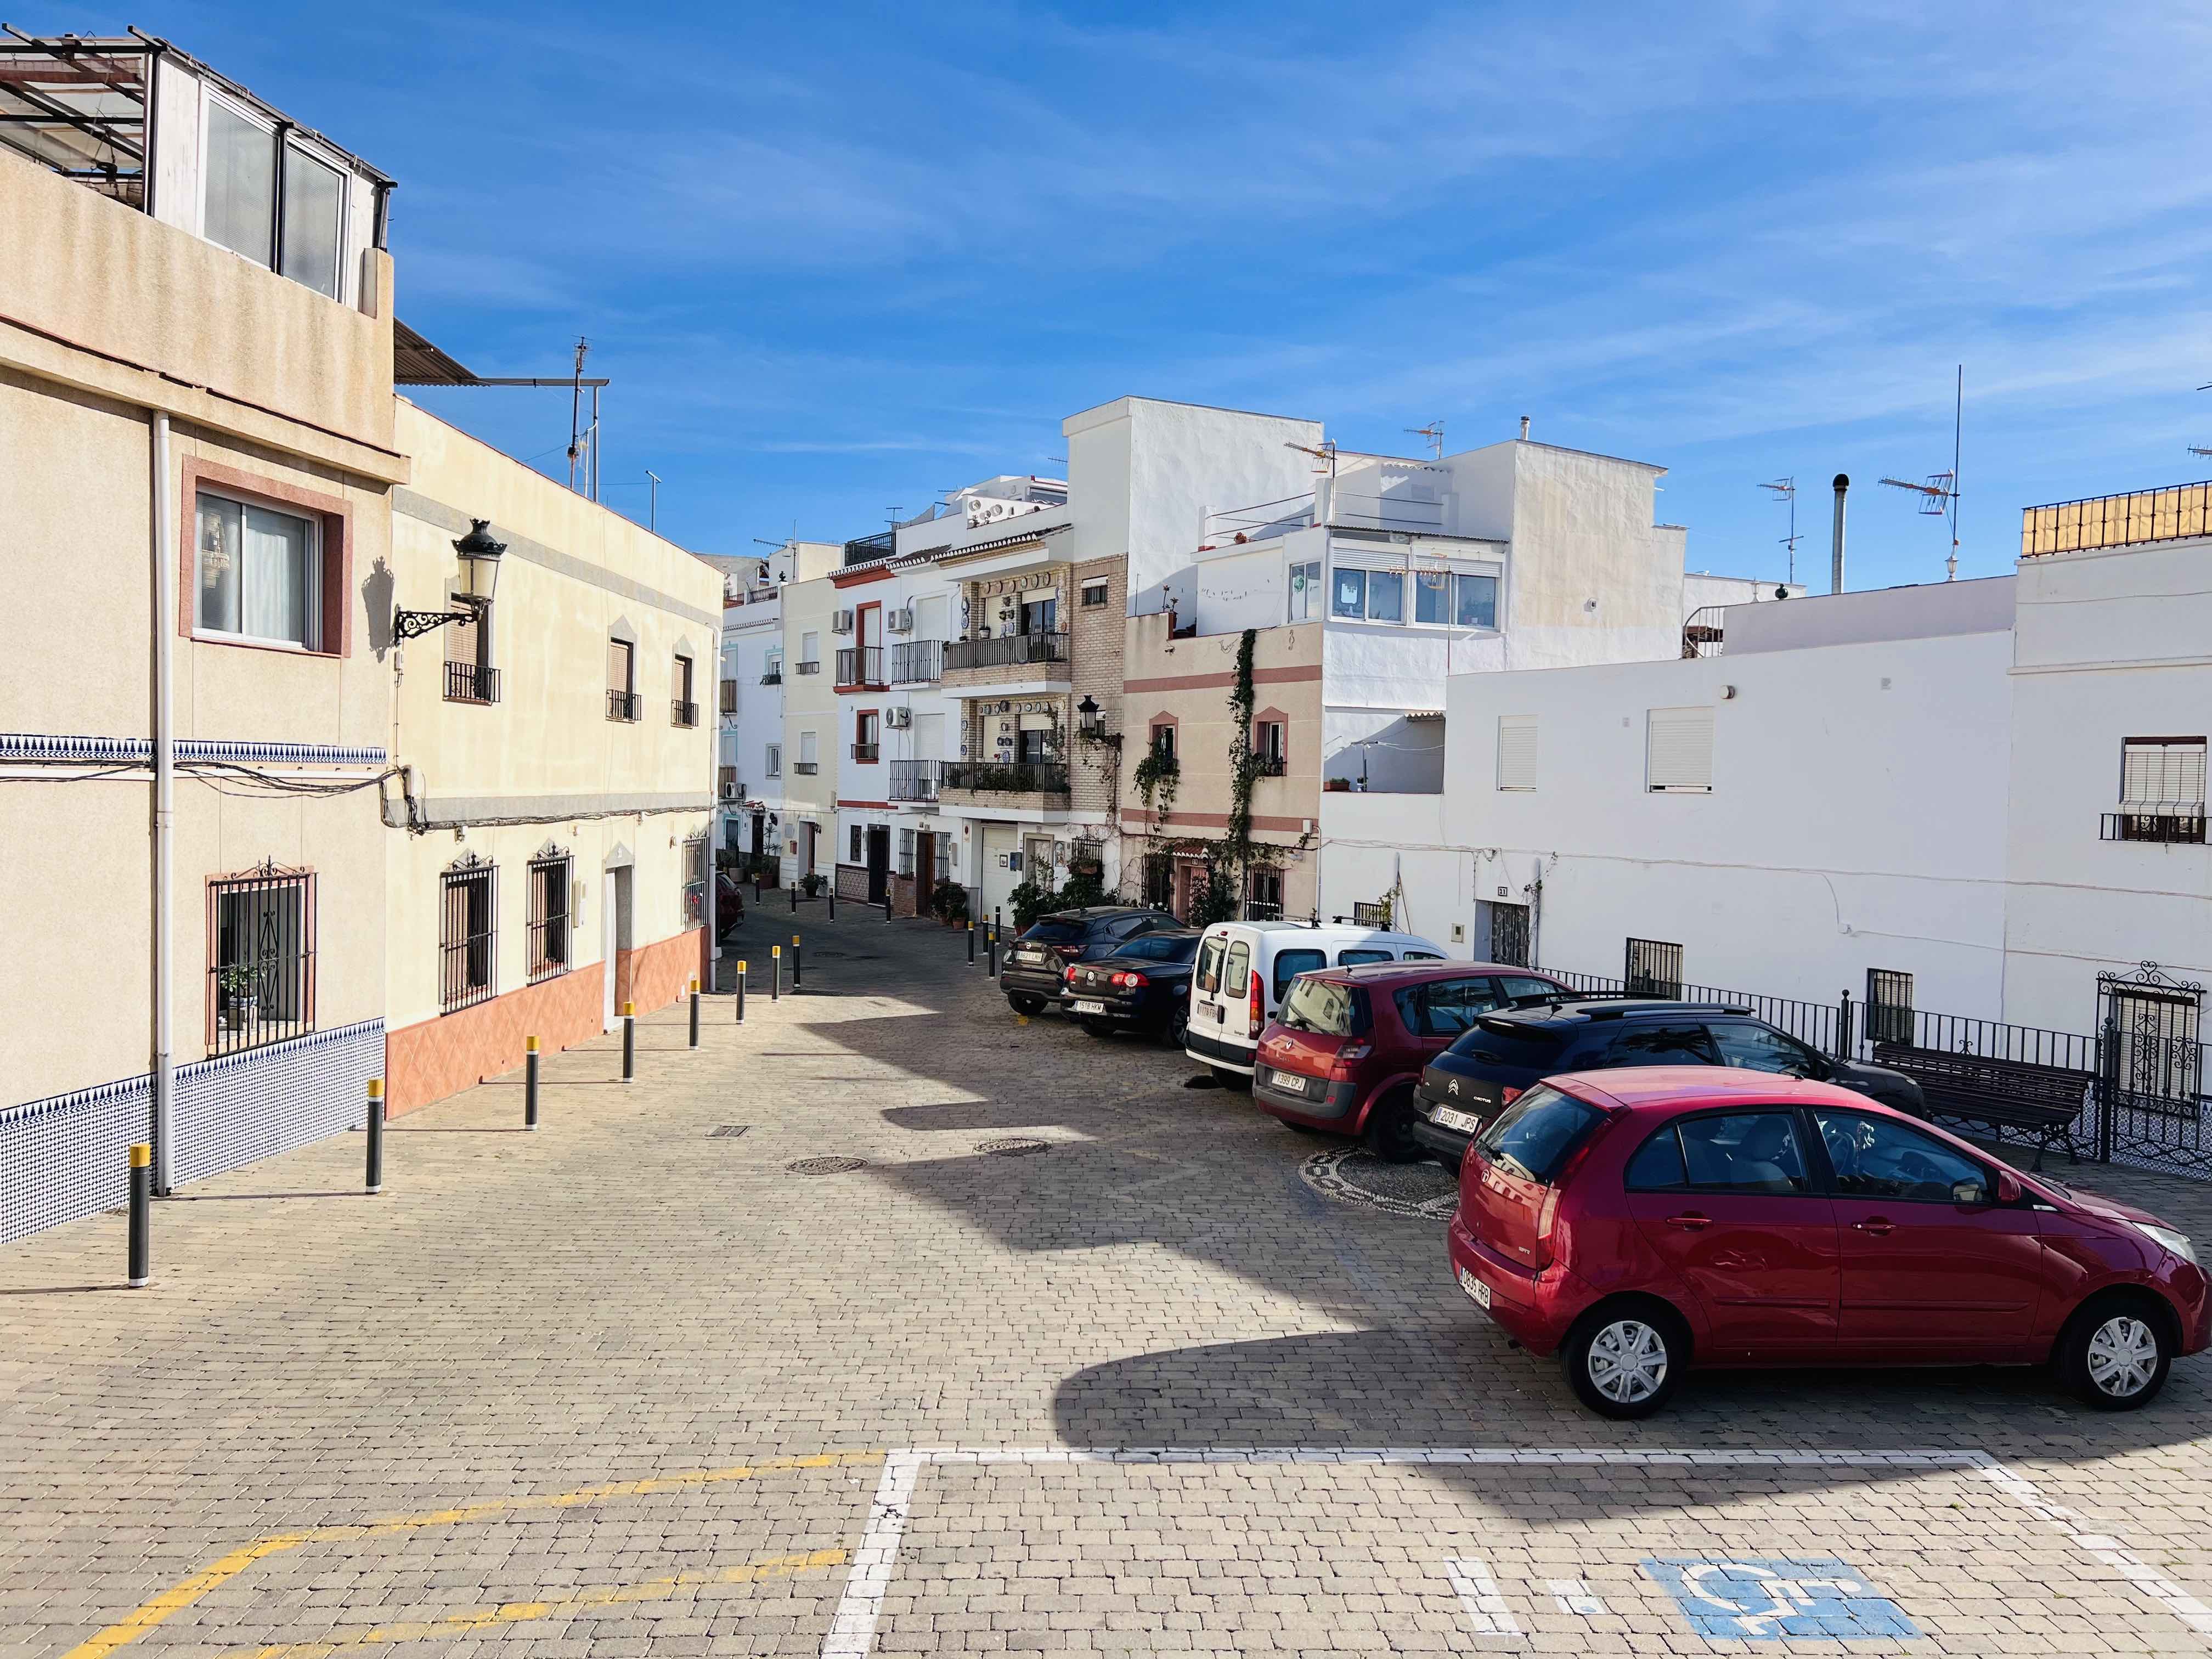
x: 1836, y: 550
x: 1524, y: 428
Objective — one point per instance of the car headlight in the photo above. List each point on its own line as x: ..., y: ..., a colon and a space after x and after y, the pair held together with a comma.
x: 2167, y: 1239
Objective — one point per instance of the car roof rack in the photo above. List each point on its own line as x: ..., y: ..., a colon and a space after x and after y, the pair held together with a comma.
x: 1616, y: 1005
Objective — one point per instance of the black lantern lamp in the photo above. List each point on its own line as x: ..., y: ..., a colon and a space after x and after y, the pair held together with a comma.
x: 1090, y: 722
x: 480, y: 553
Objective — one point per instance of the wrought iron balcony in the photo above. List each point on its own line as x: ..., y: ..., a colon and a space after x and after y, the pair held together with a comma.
x: 683, y: 712
x: 867, y: 754
x: 2180, y: 826
x: 917, y: 662
x: 773, y: 677
x: 861, y: 665
x: 806, y: 769
x: 867, y: 550
x: 913, y: 780
x: 621, y: 705
x: 808, y: 668
x: 1007, y: 777
x: 470, y: 682
x: 1006, y: 650
x: 1266, y: 766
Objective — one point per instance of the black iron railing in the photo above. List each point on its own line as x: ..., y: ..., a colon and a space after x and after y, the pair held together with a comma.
x: 914, y: 780
x: 683, y: 714
x: 2174, y: 829
x: 1007, y: 777
x: 775, y: 676
x: 806, y: 769
x: 867, y: 550
x: 471, y: 682
x: 1006, y: 650
x: 468, y: 936
x: 548, y: 918
x: 2173, y: 513
x: 867, y: 754
x: 806, y: 668
x: 861, y: 665
x: 1266, y: 766
x: 917, y: 662
x: 621, y: 705
x: 1262, y: 911
x: 262, y: 981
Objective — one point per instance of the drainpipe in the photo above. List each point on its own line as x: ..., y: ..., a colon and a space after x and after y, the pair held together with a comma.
x: 1836, y: 548
x: 165, y: 802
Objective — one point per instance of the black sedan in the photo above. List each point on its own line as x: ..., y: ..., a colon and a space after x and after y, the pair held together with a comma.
x: 1036, y: 962
x: 1145, y: 986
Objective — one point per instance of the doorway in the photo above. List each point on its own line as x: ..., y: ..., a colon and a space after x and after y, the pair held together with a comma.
x: 615, y: 938
x: 879, y: 862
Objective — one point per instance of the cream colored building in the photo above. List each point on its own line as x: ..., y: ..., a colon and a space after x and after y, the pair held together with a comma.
x: 557, y: 759
x: 196, y: 419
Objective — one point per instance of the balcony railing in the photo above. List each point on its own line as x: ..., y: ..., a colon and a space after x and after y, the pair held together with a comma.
x: 470, y: 682
x: 773, y: 677
x: 1006, y: 650
x: 807, y: 668
x: 867, y: 754
x: 1007, y: 777
x: 621, y: 705
x: 912, y: 780
x: 806, y: 769
x: 917, y: 662
x: 865, y: 550
x: 683, y: 712
x: 2178, y: 828
x: 1266, y: 766
x: 2144, y: 516
x: 861, y: 665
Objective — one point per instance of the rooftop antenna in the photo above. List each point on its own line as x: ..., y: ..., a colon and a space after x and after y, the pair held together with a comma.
x: 1940, y: 495
x: 576, y: 409
x: 1434, y: 432
x: 2193, y: 449
x: 1787, y: 489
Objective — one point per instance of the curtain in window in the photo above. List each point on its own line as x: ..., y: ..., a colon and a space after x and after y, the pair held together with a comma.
x: 273, y: 575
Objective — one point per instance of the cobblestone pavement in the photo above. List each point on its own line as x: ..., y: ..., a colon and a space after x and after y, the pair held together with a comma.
x: 630, y: 1386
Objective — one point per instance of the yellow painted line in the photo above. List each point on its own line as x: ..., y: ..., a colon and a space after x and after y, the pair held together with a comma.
x: 516, y: 1613
x: 185, y: 1593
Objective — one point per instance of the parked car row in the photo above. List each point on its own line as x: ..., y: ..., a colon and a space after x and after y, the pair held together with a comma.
x: 1648, y: 1186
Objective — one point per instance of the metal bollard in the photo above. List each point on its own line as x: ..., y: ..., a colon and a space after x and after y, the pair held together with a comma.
x: 741, y: 994
x: 798, y: 962
x: 971, y: 941
x: 887, y: 904
x: 794, y: 898
x: 629, y: 1040
x: 775, y: 973
x: 142, y: 1216
x: 833, y: 898
x: 530, y: 1083
x: 694, y: 1013
x: 756, y: 881
x: 375, y: 1126
x: 995, y: 953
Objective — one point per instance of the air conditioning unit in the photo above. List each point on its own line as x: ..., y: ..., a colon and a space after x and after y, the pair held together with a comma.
x: 898, y: 718
x: 900, y: 621
x: 734, y: 791
x: 840, y: 621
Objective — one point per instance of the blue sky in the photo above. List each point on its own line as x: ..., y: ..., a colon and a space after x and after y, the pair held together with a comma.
x: 837, y: 259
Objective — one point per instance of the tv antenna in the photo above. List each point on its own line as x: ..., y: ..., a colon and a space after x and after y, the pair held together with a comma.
x: 1786, y: 488
x: 1433, y: 432
x: 2193, y: 449
x: 1939, y: 495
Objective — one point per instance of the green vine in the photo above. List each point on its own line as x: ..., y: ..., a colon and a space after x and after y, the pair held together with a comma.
x: 1156, y: 776
x: 1243, y: 769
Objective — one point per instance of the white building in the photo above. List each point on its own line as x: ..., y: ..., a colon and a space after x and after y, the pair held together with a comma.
x: 1974, y: 798
x: 806, y: 765
x: 750, y: 772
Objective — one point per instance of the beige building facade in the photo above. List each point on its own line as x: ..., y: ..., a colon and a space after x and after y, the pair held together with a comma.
x: 197, y: 418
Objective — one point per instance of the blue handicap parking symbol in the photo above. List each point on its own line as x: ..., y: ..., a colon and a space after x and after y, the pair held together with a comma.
x: 1767, y: 1600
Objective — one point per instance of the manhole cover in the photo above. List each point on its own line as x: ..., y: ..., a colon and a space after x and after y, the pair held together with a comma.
x: 826, y: 1165
x: 728, y: 1132
x: 1352, y: 1175
x: 1019, y: 1146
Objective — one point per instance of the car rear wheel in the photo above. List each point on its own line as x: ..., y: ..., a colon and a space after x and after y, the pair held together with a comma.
x: 1024, y: 1005
x: 1624, y: 1360
x: 1178, y: 1026
x: 2116, y: 1354
x: 1390, y: 1131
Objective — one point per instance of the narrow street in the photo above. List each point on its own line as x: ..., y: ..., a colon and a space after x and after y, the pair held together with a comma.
x: 640, y: 1383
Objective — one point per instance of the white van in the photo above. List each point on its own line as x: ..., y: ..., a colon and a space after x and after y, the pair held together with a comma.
x: 1245, y: 967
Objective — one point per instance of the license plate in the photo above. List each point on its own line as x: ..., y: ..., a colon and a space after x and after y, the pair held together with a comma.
x: 1289, y: 1082
x: 1029, y: 956
x: 1445, y: 1117
x: 1090, y: 1007
x: 1477, y: 1291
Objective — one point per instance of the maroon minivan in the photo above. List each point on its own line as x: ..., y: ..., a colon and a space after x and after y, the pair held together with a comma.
x: 1348, y: 1044
x: 1641, y: 1221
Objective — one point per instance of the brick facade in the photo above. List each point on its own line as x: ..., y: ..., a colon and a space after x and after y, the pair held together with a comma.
x: 1095, y: 638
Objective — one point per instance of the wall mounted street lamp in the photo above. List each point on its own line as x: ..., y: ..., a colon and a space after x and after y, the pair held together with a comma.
x: 480, y: 556
x: 1091, y: 723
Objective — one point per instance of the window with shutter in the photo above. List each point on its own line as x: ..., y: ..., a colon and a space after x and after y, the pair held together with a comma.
x: 1516, y: 752
x: 2162, y: 775
x: 1679, y: 750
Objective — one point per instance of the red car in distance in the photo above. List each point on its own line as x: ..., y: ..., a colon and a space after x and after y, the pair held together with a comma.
x: 1640, y: 1222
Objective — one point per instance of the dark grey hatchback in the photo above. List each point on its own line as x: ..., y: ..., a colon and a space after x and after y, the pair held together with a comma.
x: 1504, y: 1054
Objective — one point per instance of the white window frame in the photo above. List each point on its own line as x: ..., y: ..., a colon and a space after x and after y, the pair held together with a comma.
x: 347, y: 284
x: 1675, y: 726
x: 1517, y: 770
x: 313, y: 556
x: 774, y: 760
x: 1310, y: 603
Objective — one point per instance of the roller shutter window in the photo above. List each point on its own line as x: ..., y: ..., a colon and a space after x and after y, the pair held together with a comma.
x: 1679, y: 750
x: 1516, y: 752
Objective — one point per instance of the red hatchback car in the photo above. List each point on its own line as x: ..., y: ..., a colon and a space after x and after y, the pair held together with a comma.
x: 1640, y: 1222
x: 1348, y: 1044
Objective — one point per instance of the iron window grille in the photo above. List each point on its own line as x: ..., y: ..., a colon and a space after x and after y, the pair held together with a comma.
x: 1264, y: 901
x: 683, y: 713
x: 2171, y: 828
x: 857, y: 834
x: 1366, y: 915
x: 1888, y: 1006
x: 1654, y: 969
x: 695, y: 880
x: 468, y: 934
x: 1509, y: 934
x: 812, y: 665
x: 806, y: 769
x: 906, y: 853
x: 1159, y: 880
x: 261, y: 977
x: 549, y: 915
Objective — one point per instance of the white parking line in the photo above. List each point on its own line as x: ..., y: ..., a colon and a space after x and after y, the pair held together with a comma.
x: 1487, y: 1611
x: 1575, y: 1596
x: 852, y: 1631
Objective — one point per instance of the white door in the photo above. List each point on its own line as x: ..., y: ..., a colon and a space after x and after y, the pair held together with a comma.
x: 1002, y: 849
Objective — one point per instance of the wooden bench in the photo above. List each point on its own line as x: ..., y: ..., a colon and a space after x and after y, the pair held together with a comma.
x: 2006, y: 1094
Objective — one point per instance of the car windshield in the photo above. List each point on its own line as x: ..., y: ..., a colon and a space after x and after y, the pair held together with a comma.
x: 1510, y: 1043
x: 1161, y: 947
x: 1055, y: 930
x: 1533, y: 1135
x: 1322, y: 1006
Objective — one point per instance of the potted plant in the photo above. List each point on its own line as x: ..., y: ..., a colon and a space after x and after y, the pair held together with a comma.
x: 812, y: 884
x: 241, y: 984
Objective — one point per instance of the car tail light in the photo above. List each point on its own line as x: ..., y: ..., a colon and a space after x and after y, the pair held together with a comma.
x: 1071, y: 975
x: 1508, y: 1095
x: 1256, y: 1014
x: 1545, y: 1215
x: 1131, y: 981
x: 1070, y: 951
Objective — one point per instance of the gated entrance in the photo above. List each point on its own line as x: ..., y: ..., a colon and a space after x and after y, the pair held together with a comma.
x: 2151, y: 1067
x: 1509, y: 934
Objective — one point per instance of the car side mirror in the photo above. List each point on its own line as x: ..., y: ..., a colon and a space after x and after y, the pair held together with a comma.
x: 1969, y: 1192
x: 2007, y: 1189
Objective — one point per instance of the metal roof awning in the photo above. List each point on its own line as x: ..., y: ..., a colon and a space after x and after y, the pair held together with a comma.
x: 416, y: 361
